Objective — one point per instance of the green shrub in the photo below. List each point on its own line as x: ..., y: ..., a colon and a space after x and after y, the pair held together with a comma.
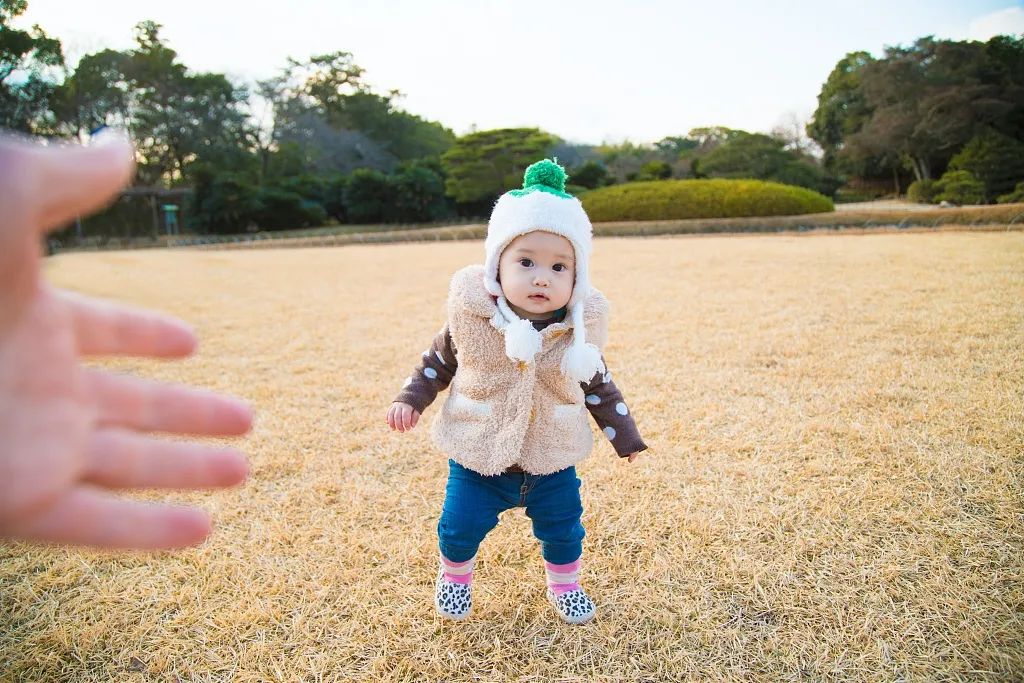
x: 804, y: 174
x: 922, y: 191
x: 996, y: 160
x: 655, y: 170
x: 306, y: 185
x: 418, y: 195
x: 334, y: 197
x: 845, y: 195
x: 1014, y: 197
x: 715, y: 198
x: 281, y: 209
x: 126, y: 218
x: 960, y: 187
x: 590, y: 175
x: 223, y: 203
x: 369, y: 197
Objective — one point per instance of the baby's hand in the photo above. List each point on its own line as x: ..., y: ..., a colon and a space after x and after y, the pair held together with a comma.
x: 402, y: 416
x: 633, y: 456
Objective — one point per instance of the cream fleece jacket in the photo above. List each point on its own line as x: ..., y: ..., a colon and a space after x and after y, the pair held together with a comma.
x: 501, y: 412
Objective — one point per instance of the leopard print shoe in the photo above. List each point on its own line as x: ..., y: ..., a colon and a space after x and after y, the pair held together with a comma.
x: 574, y: 607
x: 452, y: 600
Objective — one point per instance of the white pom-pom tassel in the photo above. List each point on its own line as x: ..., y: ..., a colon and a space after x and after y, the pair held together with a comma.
x: 581, y: 362
x: 522, y: 340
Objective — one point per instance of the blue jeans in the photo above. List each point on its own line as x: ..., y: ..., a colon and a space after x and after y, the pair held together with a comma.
x: 472, y: 503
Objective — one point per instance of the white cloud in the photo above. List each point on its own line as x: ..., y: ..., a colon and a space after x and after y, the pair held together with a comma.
x: 1005, y: 21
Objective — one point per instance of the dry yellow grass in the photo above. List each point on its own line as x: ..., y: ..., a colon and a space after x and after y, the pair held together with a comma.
x: 834, y: 490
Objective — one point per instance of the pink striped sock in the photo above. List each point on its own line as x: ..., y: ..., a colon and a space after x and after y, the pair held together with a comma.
x: 458, y: 572
x: 563, y: 578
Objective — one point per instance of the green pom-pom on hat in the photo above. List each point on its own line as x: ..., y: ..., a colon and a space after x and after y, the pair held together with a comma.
x: 544, y: 176
x: 545, y: 172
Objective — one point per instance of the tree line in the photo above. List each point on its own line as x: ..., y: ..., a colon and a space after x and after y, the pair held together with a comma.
x: 317, y: 142
x: 938, y: 112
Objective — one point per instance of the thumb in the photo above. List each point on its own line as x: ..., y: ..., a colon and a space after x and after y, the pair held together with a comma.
x: 42, y: 187
x: 78, y: 180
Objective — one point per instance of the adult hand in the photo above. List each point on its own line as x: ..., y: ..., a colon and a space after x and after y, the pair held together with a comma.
x: 70, y: 435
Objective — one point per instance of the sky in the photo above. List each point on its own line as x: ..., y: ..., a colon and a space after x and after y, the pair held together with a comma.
x: 588, y: 71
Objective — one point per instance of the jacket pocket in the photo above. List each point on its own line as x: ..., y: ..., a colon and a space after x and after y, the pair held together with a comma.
x: 463, y: 405
x: 567, y: 415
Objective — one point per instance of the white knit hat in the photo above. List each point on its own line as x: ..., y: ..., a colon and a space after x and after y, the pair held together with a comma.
x: 543, y: 204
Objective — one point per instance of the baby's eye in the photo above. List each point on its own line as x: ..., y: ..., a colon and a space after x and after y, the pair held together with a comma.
x: 559, y: 267
x: 526, y: 263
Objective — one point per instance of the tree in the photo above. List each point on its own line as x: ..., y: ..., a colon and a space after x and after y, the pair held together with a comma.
x: 624, y: 160
x: 95, y: 94
x: 918, y: 105
x: 842, y: 107
x: 709, y: 137
x: 26, y: 60
x: 481, y: 166
x: 179, y: 117
x: 674, y: 147
x: 792, y: 132
x: 176, y: 117
x: 332, y: 85
x: 762, y: 157
x: 1005, y: 68
x: 912, y: 111
x: 403, y: 134
x: 590, y: 175
x: 324, y: 148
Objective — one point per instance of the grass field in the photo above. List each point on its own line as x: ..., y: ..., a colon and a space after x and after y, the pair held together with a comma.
x: 834, y: 489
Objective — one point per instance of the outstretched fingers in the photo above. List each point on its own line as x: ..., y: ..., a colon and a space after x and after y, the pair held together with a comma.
x: 88, y: 516
x: 148, y: 406
x: 104, y: 328
x: 117, y: 458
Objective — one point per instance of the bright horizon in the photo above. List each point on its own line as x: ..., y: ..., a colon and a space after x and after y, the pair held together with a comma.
x: 662, y: 69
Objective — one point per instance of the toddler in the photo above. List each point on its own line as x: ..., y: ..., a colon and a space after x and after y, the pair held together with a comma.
x: 522, y: 352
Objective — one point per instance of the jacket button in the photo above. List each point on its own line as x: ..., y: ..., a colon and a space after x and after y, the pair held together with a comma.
x: 522, y: 366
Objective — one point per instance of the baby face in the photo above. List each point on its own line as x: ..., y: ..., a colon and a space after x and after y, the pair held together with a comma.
x: 537, y: 272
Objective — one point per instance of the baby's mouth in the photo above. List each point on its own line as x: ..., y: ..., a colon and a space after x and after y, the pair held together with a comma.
x: 538, y: 297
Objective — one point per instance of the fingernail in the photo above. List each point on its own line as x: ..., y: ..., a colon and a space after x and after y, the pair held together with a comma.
x: 109, y: 136
x: 185, y: 526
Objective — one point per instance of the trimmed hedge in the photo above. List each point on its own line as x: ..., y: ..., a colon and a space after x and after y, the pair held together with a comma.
x: 714, y: 198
